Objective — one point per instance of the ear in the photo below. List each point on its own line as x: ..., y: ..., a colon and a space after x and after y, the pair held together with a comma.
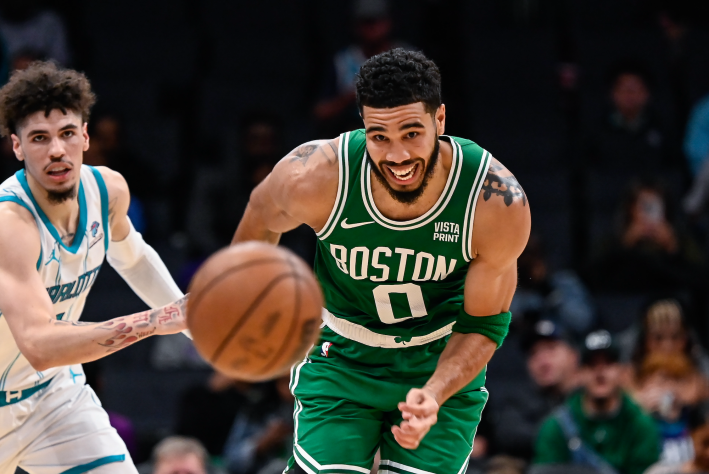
x: 85, y: 133
x: 441, y: 119
x: 17, y: 148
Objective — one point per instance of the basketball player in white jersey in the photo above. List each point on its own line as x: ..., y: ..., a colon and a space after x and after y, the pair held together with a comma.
x: 58, y: 219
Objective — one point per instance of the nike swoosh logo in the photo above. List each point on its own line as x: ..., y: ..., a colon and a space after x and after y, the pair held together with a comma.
x: 345, y: 225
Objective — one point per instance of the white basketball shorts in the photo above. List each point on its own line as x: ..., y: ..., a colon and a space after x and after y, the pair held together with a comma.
x: 61, y: 429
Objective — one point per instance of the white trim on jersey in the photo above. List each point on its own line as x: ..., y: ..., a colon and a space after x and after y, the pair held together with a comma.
x: 472, y: 204
x: 342, y: 187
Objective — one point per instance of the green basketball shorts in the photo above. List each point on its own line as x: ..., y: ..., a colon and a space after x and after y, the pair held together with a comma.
x: 346, y: 397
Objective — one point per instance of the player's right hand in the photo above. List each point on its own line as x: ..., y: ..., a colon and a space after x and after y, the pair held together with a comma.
x: 420, y: 412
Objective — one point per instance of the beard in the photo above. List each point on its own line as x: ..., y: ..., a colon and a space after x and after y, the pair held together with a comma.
x: 408, y: 197
x: 58, y: 197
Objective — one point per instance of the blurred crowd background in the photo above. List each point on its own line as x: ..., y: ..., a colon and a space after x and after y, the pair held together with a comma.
x: 599, y: 107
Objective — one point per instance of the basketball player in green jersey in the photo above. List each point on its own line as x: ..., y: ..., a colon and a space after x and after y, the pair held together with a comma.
x: 418, y: 274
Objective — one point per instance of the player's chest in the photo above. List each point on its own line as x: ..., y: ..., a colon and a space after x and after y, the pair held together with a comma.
x: 68, y: 275
x: 372, y: 252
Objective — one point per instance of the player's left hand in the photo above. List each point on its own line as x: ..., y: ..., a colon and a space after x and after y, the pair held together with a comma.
x: 420, y: 412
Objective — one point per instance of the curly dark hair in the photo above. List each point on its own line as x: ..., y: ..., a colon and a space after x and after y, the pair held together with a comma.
x: 398, y: 77
x: 43, y: 86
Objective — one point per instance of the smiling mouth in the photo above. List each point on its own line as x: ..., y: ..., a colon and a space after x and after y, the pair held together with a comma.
x: 403, y: 174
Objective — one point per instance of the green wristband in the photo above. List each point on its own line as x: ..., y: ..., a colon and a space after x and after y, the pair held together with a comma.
x: 494, y: 327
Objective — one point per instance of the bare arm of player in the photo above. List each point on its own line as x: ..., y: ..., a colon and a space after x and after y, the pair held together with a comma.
x: 25, y: 304
x: 118, y: 203
x: 501, y: 229
x: 301, y: 189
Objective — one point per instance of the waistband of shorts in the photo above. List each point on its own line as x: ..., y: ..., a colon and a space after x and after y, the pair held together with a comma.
x: 361, y: 334
x: 14, y: 396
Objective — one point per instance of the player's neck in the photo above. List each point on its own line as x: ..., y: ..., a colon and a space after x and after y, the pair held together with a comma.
x: 64, y: 216
x: 396, y: 210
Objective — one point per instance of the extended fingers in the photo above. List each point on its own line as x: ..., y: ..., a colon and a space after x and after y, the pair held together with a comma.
x: 406, y: 440
x: 410, y: 433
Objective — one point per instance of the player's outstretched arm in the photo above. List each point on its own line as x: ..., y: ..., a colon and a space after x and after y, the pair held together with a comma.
x: 45, y: 341
x: 500, y: 233
x: 301, y: 189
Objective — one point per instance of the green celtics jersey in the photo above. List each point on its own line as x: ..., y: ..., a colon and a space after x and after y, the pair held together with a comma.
x: 397, y: 283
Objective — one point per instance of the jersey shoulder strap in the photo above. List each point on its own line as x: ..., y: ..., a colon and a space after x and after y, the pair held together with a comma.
x: 475, y: 164
x: 473, y: 154
x: 97, y: 192
x: 350, y: 154
x: 11, y: 191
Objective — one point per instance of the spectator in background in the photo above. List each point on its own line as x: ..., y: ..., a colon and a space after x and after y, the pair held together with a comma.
x: 108, y: 148
x: 336, y: 110
x: 699, y: 432
x: 665, y: 331
x: 696, y: 139
x: 600, y: 426
x: 667, y: 379
x: 630, y: 138
x: 696, y: 150
x: 552, y: 364
x: 207, y: 412
x: 221, y: 190
x: 557, y: 296
x: 668, y: 386
x: 178, y: 455
x: 28, y: 26
x: 650, y: 253
x: 261, y: 441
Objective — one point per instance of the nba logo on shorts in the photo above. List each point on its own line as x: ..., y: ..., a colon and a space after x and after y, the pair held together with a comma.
x: 325, y: 348
x: 94, y: 229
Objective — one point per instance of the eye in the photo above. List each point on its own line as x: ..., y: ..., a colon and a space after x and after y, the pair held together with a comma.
x: 38, y: 138
x: 412, y: 134
x: 68, y: 133
x: 380, y: 138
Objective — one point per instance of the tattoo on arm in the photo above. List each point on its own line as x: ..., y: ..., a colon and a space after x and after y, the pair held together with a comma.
x: 505, y: 186
x: 126, y: 330
x: 495, y: 166
x: 304, y: 152
x: 332, y: 147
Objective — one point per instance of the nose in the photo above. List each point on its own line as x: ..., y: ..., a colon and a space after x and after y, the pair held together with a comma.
x: 397, y: 152
x: 56, y: 149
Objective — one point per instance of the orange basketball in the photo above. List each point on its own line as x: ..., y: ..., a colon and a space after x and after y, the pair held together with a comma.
x: 254, y: 310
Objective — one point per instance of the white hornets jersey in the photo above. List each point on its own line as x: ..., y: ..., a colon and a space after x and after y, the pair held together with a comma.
x: 68, y: 272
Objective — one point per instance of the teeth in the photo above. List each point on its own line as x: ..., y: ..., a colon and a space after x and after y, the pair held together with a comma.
x: 404, y: 174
